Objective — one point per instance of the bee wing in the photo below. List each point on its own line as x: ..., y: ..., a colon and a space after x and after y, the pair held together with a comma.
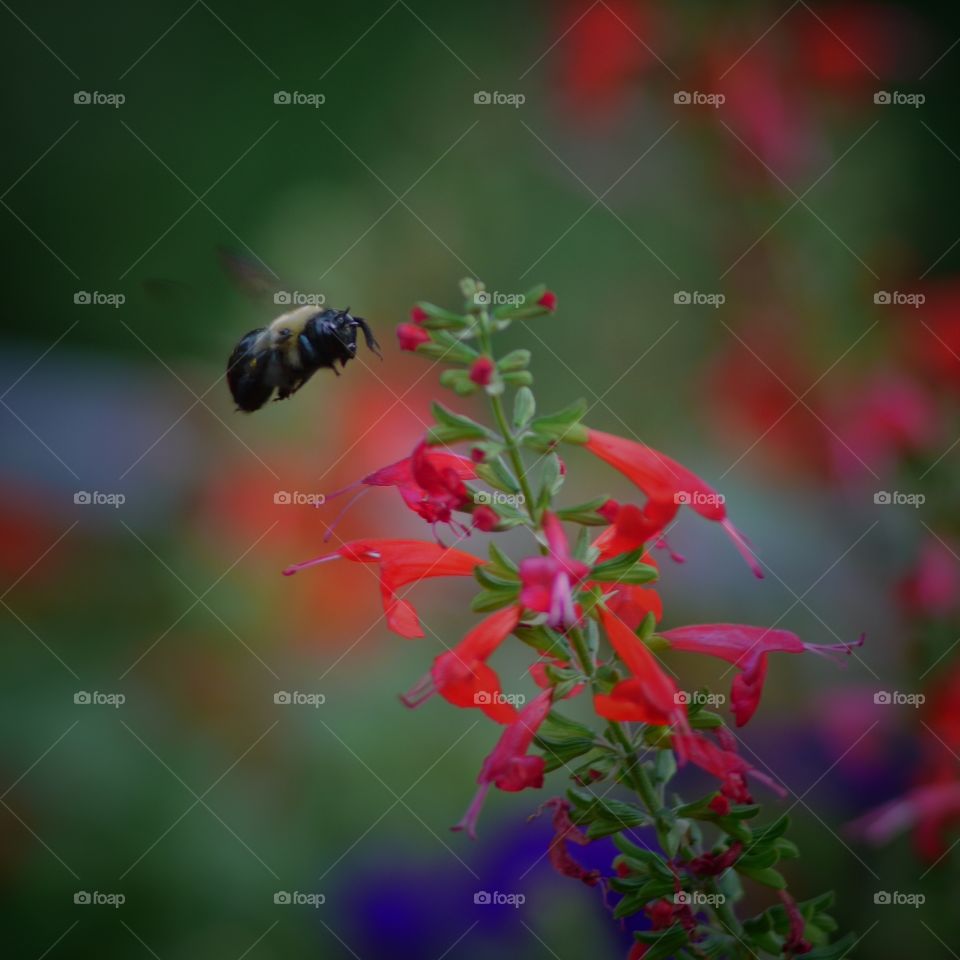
x: 250, y: 275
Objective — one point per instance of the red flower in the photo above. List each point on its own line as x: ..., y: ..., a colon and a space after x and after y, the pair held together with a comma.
x: 932, y: 588
x: 461, y: 675
x: 720, y: 805
x: 667, y: 484
x: 649, y: 695
x: 401, y: 562
x: 410, y: 336
x: 548, y: 301
x: 481, y: 371
x: 548, y: 582
x: 508, y: 767
x: 418, y: 315
x: 486, y: 518
x: 566, y: 832
x: 430, y: 482
x: 724, y: 763
x: 746, y: 648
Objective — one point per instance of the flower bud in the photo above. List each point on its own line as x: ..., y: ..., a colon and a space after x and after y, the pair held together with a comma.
x: 411, y: 336
x: 481, y: 371
x: 418, y: 314
x: 548, y: 301
x: 486, y: 519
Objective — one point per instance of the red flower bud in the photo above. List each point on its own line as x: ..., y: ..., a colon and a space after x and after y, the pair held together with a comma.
x: 609, y: 511
x: 481, y: 372
x: 548, y: 300
x: 485, y: 519
x: 720, y: 805
x: 418, y: 314
x: 477, y: 455
x: 410, y: 336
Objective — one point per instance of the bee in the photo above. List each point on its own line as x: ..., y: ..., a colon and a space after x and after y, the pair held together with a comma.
x: 283, y: 356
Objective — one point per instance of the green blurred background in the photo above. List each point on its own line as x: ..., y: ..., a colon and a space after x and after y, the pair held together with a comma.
x: 200, y: 797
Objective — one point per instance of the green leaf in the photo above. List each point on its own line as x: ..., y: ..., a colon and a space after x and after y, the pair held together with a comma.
x: 768, y: 877
x: 833, y: 951
x: 519, y: 378
x: 663, y: 943
x: 625, y: 569
x: 514, y: 361
x: 493, y: 582
x: 446, y: 347
x: 585, y: 513
x: 542, y: 639
x: 464, y: 427
x: 566, y: 421
x: 501, y: 564
x: 499, y: 476
x: 524, y: 407
x: 489, y: 600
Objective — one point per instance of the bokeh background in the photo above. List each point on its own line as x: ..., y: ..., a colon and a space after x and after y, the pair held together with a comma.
x: 800, y: 199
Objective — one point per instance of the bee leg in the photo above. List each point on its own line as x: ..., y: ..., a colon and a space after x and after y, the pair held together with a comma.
x: 371, y: 340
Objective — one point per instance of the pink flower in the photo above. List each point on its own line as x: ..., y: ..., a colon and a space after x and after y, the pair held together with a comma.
x: 481, y: 371
x: 410, y: 337
x: 667, y: 484
x: 461, y: 675
x: 401, y: 562
x: 548, y: 582
x: 508, y: 767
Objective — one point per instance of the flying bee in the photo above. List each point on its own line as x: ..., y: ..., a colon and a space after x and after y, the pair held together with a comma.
x: 284, y: 355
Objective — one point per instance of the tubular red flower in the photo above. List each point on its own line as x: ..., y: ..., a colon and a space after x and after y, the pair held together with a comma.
x: 486, y: 518
x: 508, y: 767
x: 649, y: 695
x: 401, y: 562
x: 548, y: 582
x: 430, y: 481
x: 667, y: 484
x: 481, y: 371
x: 410, y: 336
x: 746, y: 648
x: 566, y: 832
x: 461, y: 675
x: 548, y: 300
x: 724, y: 763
